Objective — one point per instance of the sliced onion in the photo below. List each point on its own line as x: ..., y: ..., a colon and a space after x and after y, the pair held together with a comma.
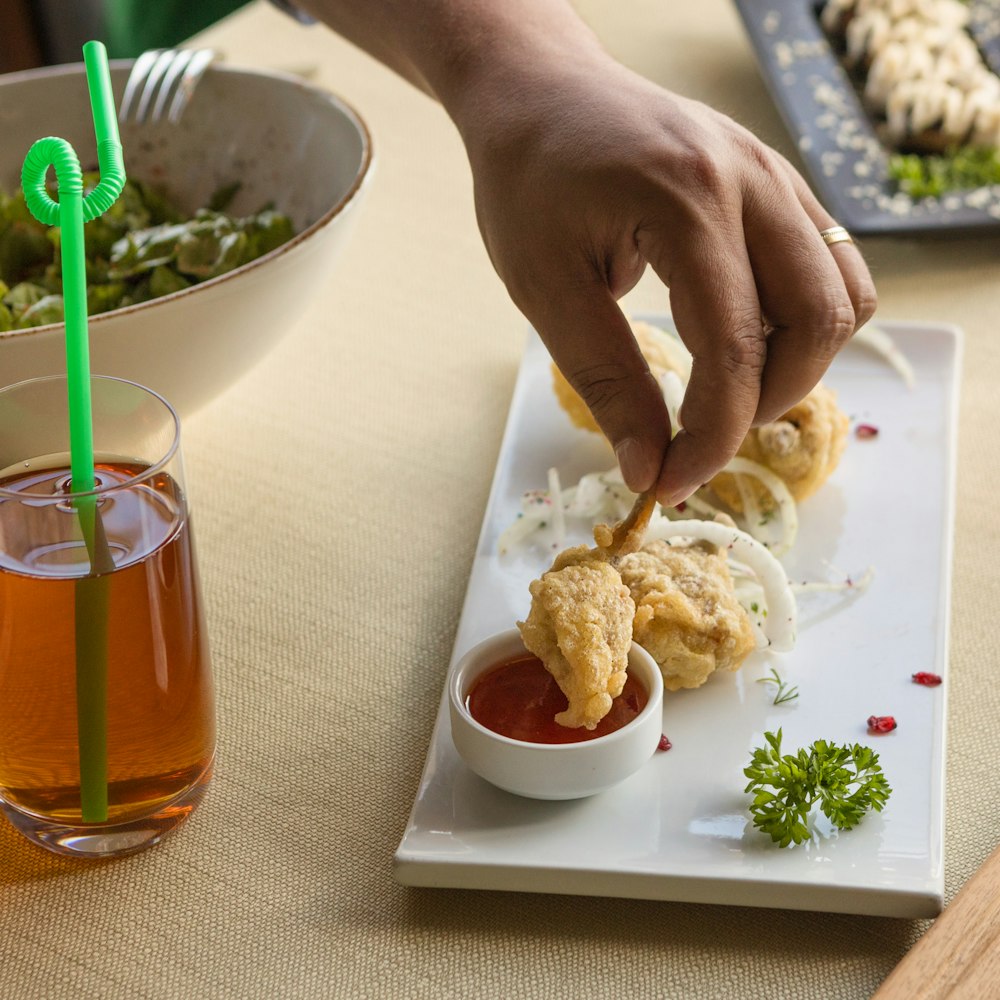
x: 848, y: 583
x: 673, y: 395
x: 558, y: 518
x: 877, y: 340
x: 776, y: 486
x: 701, y: 506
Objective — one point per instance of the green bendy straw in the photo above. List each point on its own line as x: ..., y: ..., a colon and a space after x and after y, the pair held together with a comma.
x: 70, y: 213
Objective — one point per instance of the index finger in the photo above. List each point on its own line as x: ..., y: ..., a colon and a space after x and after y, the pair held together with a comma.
x: 591, y: 342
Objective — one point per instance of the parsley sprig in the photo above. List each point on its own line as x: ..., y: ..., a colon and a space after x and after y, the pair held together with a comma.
x: 846, y: 781
x: 956, y: 170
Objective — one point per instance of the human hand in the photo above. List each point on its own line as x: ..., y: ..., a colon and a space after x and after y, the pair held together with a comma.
x: 584, y: 174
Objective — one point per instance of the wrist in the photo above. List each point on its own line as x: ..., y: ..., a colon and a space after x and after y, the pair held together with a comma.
x: 465, y: 52
x: 499, y: 54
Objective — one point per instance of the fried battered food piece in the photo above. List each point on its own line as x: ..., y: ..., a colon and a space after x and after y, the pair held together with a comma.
x: 580, y: 627
x: 655, y: 347
x: 626, y: 536
x: 803, y: 447
x: 687, y: 616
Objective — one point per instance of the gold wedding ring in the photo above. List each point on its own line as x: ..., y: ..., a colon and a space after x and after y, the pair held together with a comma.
x: 836, y: 234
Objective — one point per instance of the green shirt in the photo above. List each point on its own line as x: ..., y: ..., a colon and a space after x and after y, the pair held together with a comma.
x: 133, y: 26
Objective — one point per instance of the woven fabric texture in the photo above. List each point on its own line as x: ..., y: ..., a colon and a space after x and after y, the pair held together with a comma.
x: 338, y: 492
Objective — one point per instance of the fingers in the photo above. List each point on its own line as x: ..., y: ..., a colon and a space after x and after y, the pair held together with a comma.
x: 744, y: 266
x: 813, y: 296
x: 714, y: 301
x: 848, y: 258
x: 802, y: 295
x: 591, y: 343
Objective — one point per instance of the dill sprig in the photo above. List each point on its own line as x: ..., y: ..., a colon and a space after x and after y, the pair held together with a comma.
x: 784, y: 692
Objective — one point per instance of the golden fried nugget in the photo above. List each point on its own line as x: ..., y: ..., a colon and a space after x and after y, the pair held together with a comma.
x: 803, y: 448
x: 687, y: 616
x: 580, y: 627
x: 652, y: 343
x: 626, y: 536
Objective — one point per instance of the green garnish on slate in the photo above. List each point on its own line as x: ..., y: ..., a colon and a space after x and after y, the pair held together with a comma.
x: 846, y: 781
x: 141, y: 248
x: 957, y: 170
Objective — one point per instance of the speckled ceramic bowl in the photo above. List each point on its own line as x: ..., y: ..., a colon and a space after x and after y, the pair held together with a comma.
x: 290, y: 144
x: 551, y: 770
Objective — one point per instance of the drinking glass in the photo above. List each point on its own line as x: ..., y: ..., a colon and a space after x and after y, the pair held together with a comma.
x: 107, y: 726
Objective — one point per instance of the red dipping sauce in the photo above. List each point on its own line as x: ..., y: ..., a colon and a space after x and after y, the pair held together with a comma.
x: 519, y: 698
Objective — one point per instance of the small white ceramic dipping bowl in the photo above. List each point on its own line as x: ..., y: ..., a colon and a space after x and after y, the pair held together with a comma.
x: 551, y: 770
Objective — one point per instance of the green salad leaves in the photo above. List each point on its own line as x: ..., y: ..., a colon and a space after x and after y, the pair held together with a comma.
x: 141, y: 248
x: 845, y: 781
x: 956, y: 170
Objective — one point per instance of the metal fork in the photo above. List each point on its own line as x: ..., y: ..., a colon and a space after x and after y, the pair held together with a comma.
x: 160, y: 76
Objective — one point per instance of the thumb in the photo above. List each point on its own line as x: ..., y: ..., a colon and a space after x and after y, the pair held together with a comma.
x: 591, y: 343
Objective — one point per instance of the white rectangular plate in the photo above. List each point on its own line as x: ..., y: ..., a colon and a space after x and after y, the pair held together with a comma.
x: 679, y: 829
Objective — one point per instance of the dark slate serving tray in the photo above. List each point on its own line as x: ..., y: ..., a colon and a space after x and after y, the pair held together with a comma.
x: 984, y: 26
x: 838, y: 141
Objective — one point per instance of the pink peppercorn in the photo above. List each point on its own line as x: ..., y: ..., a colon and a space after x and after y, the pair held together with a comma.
x: 866, y: 431
x: 664, y: 743
x: 881, y: 724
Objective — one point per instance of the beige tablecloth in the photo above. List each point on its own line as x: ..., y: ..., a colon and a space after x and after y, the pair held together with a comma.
x: 339, y: 490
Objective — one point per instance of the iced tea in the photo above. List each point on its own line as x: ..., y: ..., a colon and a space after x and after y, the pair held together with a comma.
x: 159, y: 706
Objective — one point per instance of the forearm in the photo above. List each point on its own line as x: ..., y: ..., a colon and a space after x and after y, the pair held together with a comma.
x: 450, y: 48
